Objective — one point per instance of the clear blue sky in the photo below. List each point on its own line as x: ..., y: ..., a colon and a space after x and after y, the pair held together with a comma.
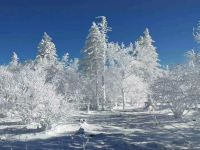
x: 22, y: 23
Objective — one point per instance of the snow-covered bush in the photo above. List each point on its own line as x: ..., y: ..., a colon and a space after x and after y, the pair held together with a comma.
x: 31, y: 91
x: 8, y: 90
x: 177, y: 90
x: 41, y: 102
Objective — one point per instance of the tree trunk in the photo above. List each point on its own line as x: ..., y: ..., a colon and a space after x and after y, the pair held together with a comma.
x: 104, y: 93
x: 88, y: 107
x: 103, y: 80
x: 97, y: 95
x: 122, y: 89
x: 123, y: 98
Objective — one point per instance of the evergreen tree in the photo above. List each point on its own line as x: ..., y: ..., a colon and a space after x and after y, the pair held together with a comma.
x: 92, y: 61
x: 147, y: 55
x: 193, y: 58
x: 47, y: 50
x: 14, y: 59
x: 65, y: 60
x: 196, y: 33
x: 103, y: 26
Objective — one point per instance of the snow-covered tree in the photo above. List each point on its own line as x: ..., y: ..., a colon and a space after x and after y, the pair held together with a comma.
x: 193, y: 58
x: 65, y: 60
x: 196, y: 33
x: 193, y: 55
x: 123, y: 73
x: 94, y: 61
x: 14, y: 59
x: 7, y: 90
x: 38, y: 100
x: 91, y: 62
x: 103, y: 26
x: 47, y: 50
x: 147, y: 55
x: 14, y: 65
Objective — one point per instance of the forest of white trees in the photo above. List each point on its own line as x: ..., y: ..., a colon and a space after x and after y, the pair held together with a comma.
x: 107, y: 76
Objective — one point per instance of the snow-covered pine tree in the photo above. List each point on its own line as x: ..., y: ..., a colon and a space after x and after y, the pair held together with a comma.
x: 147, y: 55
x: 46, y: 50
x: 65, y: 60
x: 92, y: 62
x: 14, y: 59
x: 196, y: 33
x: 193, y: 55
x: 104, y: 29
x: 14, y: 65
x: 193, y: 58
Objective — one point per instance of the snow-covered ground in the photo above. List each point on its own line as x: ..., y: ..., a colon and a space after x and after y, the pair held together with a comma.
x: 117, y: 130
